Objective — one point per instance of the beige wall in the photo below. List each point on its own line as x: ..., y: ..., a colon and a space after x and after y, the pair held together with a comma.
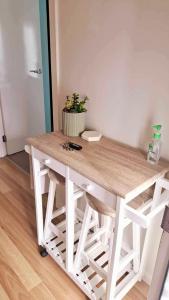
x: 117, y: 52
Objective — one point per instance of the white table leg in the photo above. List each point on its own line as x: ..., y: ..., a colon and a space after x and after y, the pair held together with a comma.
x: 70, y: 215
x: 136, y: 246
x: 115, y: 247
x: 156, y: 199
x: 38, y: 199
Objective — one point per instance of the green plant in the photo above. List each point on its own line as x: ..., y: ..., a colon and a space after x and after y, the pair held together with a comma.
x: 75, y: 104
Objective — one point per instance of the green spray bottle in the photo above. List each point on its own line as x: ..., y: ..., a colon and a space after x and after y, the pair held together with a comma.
x: 154, y: 147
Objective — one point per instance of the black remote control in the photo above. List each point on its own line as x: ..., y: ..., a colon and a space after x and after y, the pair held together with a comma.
x: 75, y: 146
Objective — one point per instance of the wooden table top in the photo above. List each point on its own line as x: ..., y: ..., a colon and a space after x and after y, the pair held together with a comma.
x: 118, y: 168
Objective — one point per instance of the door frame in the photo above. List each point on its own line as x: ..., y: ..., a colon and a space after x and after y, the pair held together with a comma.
x: 46, y: 62
x: 54, y: 57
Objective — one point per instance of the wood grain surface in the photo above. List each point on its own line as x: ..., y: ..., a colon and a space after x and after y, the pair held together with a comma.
x: 118, y: 168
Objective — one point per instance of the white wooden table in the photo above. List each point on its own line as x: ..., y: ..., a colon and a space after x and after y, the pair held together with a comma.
x: 115, y: 174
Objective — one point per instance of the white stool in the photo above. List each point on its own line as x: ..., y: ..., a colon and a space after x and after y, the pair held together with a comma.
x: 55, y: 180
x: 92, y: 261
x: 55, y: 234
x: 93, y: 206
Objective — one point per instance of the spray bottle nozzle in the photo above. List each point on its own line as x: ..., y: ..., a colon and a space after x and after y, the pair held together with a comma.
x: 157, y: 127
x: 157, y: 133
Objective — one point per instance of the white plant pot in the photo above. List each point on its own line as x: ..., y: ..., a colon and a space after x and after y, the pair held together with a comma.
x: 73, y: 123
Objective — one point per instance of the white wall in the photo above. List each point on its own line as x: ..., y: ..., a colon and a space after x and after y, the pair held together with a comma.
x: 117, y: 52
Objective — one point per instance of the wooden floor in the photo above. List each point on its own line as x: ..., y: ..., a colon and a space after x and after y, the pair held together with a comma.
x: 24, y: 274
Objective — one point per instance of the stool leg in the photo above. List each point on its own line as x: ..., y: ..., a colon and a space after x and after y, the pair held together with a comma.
x: 107, y: 223
x: 49, y: 209
x: 95, y: 217
x: 83, y: 235
x: 116, y: 244
x: 136, y: 247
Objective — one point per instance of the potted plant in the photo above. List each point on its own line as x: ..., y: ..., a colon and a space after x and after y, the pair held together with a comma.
x: 74, y: 115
